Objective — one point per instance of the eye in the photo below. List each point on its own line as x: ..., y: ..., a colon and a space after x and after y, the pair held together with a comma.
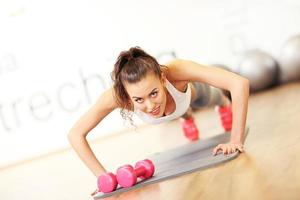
x: 139, y: 100
x: 154, y: 94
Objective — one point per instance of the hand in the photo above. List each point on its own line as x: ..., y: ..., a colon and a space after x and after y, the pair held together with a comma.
x: 228, y: 148
x: 95, y: 192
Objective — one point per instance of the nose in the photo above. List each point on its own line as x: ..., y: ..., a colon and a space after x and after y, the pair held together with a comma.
x: 150, y: 105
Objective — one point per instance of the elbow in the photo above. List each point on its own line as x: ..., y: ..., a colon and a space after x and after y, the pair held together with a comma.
x: 73, y: 136
x: 245, y: 85
x: 70, y: 135
x: 241, y: 86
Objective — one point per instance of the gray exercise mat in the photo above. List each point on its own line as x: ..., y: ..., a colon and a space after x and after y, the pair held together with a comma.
x: 182, y: 160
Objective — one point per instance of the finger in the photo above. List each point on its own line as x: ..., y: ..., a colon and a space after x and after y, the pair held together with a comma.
x: 215, y: 151
x: 95, y: 192
x: 240, y: 148
x: 231, y: 150
x: 224, y: 149
x: 228, y: 150
x: 235, y: 148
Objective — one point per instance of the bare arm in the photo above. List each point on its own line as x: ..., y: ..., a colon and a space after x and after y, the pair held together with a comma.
x: 183, y: 70
x: 78, y: 133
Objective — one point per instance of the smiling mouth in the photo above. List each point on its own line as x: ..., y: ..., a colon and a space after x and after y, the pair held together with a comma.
x: 155, y: 111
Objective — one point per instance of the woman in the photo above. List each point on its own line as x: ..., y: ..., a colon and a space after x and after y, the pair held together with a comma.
x: 159, y: 93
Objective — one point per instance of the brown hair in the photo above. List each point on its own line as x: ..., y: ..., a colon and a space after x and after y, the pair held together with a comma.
x: 131, y: 66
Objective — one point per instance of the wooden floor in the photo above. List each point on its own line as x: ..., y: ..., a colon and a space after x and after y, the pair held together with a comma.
x: 270, y: 168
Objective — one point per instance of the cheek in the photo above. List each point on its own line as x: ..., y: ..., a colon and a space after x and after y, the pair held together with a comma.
x: 162, y: 97
x: 139, y: 106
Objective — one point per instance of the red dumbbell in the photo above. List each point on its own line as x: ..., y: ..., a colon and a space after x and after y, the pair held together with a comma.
x: 127, y: 175
x: 190, y: 129
x: 107, y: 182
x: 225, y: 113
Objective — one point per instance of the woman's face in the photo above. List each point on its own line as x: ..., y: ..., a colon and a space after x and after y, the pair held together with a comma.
x: 148, y: 95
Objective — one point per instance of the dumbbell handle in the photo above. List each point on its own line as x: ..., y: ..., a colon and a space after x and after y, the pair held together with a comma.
x: 140, y: 171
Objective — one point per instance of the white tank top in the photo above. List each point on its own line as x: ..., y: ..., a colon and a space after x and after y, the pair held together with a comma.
x: 182, y: 102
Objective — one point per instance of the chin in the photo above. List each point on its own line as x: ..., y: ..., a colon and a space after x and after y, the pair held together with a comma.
x: 155, y: 116
x: 158, y: 115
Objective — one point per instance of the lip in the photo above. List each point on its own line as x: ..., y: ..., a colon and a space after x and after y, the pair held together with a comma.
x: 156, y: 111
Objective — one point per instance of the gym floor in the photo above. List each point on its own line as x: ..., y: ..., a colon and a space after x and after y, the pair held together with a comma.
x: 268, y: 170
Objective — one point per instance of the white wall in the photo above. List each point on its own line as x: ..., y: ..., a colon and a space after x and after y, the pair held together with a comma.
x: 56, y: 56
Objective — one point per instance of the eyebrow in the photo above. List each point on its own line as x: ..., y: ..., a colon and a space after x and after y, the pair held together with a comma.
x: 149, y: 94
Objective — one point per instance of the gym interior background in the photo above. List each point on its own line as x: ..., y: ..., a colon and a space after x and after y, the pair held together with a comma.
x: 56, y: 58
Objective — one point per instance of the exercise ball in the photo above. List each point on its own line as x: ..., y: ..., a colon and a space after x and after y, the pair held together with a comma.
x: 289, y: 60
x: 260, y: 68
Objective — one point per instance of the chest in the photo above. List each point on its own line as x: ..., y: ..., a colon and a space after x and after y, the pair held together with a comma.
x: 170, y: 103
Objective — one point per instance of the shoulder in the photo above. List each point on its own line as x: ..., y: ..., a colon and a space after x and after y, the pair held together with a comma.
x: 182, y: 63
x: 107, y: 100
x: 172, y: 72
x: 179, y: 69
x: 175, y: 63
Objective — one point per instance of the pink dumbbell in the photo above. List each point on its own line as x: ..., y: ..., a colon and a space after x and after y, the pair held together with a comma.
x: 107, y: 182
x: 127, y: 175
x: 190, y: 129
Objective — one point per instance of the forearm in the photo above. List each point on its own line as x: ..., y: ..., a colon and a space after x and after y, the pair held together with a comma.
x: 84, y: 151
x: 239, y: 94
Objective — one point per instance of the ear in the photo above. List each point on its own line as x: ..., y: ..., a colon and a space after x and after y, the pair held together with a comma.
x: 130, y: 105
x: 163, y: 78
